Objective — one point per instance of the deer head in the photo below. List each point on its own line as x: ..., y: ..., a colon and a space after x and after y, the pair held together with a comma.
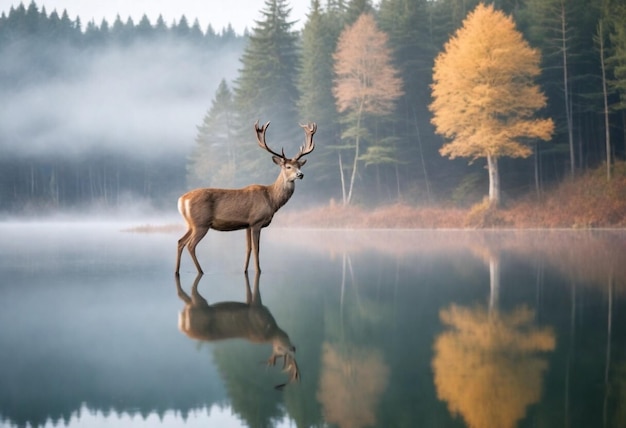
x: 284, y: 349
x: 290, y: 167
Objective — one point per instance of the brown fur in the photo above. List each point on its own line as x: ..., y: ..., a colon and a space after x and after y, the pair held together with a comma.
x: 251, y: 208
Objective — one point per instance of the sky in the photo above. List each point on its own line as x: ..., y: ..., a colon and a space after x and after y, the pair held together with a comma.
x: 240, y: 14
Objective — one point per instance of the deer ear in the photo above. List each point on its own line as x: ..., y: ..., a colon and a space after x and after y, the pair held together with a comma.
x: 302, y: 162
x: 278, y: 160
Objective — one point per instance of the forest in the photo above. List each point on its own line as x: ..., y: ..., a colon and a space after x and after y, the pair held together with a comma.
x: 108, y: 115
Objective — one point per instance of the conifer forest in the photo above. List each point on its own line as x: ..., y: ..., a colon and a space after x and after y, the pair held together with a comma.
x: 112, y: 114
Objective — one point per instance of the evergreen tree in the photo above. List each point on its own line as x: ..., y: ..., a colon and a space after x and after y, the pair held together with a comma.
x: 406, y: 23
x: 618, y: 58
x: 316, y: 103
x: 266, y: 87
x: 144, y: 29
x: 214, y: 158
x: 561, y: 30
x: 182, y: 29
x: 356, y: 8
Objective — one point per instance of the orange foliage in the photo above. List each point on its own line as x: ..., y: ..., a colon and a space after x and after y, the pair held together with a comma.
x: 366, y: 78
x: 487, y: 366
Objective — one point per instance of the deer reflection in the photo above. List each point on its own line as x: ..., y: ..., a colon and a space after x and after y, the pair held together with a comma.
x: 237, y: 320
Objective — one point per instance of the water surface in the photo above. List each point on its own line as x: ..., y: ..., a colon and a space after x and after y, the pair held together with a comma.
x: 391, y: 329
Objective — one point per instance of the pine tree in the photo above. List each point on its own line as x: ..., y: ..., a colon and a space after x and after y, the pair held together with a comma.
x: 214, y: 158
x: 316, y: 102
x: 618, y: 58
x: 484, y: 96
x: 406, y: 23
x: 266, y: 87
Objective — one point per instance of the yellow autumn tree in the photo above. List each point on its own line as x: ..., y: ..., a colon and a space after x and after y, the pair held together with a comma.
x: 366, y: 83
x: 484, y: 95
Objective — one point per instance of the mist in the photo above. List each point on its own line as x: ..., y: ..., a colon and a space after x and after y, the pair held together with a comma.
x: 97, y: 123
x: 142, y: 100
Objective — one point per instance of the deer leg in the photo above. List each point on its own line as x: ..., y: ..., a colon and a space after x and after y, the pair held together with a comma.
x: 256, y: 237
x: 181, y: 245
x: 196, y: 236
x: 181, y: 293
x: 248, y: 248
x: 196, y: 298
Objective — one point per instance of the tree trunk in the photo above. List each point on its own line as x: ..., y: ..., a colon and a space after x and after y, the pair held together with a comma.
x: 607, y: 134
x: 356, y: 153
x: 568, y: 103
x: 494, y: 180
x: 419, y: 145
x: 343, y: 182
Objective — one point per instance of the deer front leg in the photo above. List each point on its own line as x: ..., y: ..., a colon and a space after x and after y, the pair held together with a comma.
x: 248, y: 248
x: 256, y: 238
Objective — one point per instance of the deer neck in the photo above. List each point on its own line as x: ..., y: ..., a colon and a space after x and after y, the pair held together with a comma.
x: 281, y: 191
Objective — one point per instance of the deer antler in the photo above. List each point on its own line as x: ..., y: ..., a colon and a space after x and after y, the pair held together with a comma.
x: 260, y: 136
x: 309, y: 145
x: 289, y: 366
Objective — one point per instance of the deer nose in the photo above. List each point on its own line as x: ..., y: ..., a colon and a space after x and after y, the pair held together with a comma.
x: 300, y: 175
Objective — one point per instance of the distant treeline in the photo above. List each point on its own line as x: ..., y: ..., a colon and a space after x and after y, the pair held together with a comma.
x: 39, y: 50
x: 288, y: 77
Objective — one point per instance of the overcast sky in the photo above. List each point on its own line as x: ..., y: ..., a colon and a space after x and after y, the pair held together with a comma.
x: 219, y: 13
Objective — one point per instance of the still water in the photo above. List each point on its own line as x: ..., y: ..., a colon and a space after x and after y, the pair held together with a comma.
x: 390, y: 329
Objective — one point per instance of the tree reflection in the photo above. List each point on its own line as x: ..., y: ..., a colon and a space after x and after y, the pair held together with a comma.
x: 352, y: 382
x: 486, y: 366
x: 353, y: 376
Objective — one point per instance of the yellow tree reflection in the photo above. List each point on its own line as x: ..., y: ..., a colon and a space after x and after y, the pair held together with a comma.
x: 352, y: 381
x: 487, y: 367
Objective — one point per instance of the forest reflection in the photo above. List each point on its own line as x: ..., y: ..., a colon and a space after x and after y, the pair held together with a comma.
x: 448, y: 328
x: 490, y: 363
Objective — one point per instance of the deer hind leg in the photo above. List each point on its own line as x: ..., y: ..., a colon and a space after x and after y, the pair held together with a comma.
x: 181, y: 245
x: 196, y: 235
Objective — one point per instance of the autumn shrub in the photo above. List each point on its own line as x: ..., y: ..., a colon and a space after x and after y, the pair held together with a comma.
x: 583, y: 202
x: 483, y: 215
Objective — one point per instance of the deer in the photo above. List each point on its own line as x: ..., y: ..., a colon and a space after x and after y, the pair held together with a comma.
x: 229, y: 320
x: 251, y: 208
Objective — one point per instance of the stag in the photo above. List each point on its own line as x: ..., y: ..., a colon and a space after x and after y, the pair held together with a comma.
x: 229, y: 320
x: 251, y: 208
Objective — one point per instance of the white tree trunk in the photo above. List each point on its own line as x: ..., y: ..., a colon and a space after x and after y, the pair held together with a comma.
x: 494, y: 180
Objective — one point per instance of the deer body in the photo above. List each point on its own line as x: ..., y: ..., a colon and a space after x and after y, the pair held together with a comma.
x: 251, y: 208
x: 231, y: 320
x: 236, y: 320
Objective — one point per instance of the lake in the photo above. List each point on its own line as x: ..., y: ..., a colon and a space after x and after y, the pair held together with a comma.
x: 390, y: 329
